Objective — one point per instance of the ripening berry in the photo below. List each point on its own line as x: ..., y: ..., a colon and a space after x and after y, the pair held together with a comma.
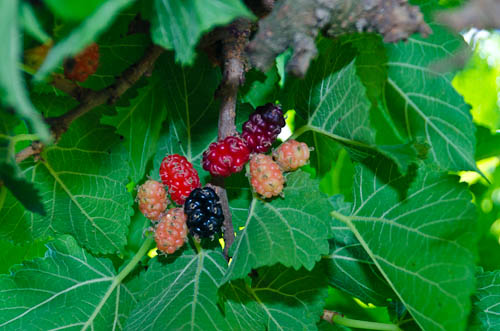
x: 226, y: 157
x: 82, y: 65
x: 263, y: 127
x: 291, y: 155
x: 171, y: 231
x: 152, y: 199
x: 178, y: 174
x: 35, y: 56
x: 266, y: 176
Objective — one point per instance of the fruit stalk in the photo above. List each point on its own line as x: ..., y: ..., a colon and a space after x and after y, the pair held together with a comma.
x: 233, y: 75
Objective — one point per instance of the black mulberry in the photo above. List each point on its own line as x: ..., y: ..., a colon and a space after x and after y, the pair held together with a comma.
x: 204, y: 212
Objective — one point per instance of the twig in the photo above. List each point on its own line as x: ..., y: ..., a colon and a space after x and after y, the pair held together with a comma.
x: 69, y: 87
x: 90, y: 99
x: 234, y: 67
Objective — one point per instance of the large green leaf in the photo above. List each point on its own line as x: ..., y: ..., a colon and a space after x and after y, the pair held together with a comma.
x: 424, y: 104
x: 419, y: 232
x: 486, y: 310
x: 86, y: 33
x: 180, y: 294
x: 140, y: 122
x: 293, y: 230
x: 331, y: 98
x: 82, y: 184
x: 350, y: 268
x: 12, y: 90
x: 178, y: 25
x: 11, y: 254
x: 68, y: 288
x: 278, y: 298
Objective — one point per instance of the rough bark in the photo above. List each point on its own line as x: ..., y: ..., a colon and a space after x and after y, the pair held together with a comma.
x: 481, y: 14
x: 296, y: 23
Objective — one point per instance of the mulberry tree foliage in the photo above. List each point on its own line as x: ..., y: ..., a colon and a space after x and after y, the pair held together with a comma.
x: 378, y: 230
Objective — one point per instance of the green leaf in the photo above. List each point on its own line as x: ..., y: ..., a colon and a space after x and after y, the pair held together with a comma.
x: 11, y: 254
x: 260, y: 88
x: 486, y: 308
x: 82, y: 183
x: 488, y: 144
x: 292, y: 231
x: 140, y: 123
x: 73, y: 10
x: 180, y: 294
x: 116, y: 54
x: 332, y: 99
x: 410, y: 227
x: 278, y: 298
x: 191, y: 111
x: 178, y: 25
x: 10, y: 174
x: 326, y: 326
x: 424, y: 104
x: 12, y: 89
x: 68, y: 288
x: 86, y: 33
x: 24, y: 191
x: 338, y: 180
x: 371, y: 62
x: 350, y: 268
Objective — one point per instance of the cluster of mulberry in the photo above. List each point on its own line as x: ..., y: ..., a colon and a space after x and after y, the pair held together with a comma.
x: 201, y: 213
x: 229, y: 156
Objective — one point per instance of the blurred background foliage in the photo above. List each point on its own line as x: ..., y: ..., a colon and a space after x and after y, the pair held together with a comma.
x: 479, y: 83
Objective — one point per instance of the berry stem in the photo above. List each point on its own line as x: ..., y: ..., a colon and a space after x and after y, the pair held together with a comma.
x: 143, y: 250
x: 331, y: 316
x: 197, y: 246
x: 116, y: 281
x: 233, y: 75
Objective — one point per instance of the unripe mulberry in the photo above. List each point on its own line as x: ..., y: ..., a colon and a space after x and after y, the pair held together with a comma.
x: 82, y: 65
x: 35, y: 56
x: 266, y: 176
x: 178, y: 174
x: 263, y: 127
x: 152, y: 199
x: 171, y: 232
x: 205, y: 216
x: 291, y: 155
x: 226, y: 157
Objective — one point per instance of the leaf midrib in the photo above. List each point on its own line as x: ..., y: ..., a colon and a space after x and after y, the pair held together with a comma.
x: 70, y: 195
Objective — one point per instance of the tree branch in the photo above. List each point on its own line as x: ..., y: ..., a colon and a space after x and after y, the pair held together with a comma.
x: 481, y: 14
x: 296, y: 23
x: 234, y: 66
x: 90, y: 99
